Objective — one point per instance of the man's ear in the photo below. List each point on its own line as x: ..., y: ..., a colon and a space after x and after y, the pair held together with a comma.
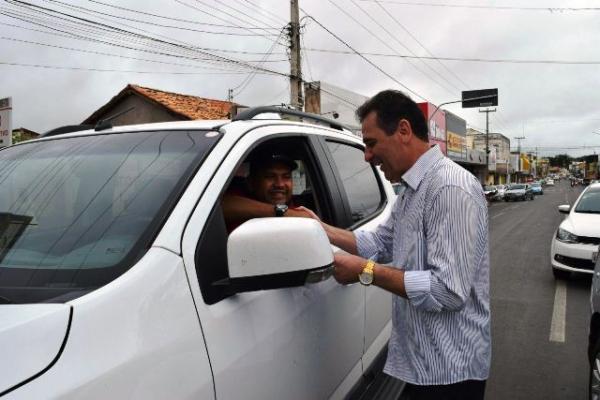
x: 404, y: 130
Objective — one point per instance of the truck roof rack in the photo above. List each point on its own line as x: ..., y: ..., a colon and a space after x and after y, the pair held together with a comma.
x: 66, y: 129
x: 253, y: 112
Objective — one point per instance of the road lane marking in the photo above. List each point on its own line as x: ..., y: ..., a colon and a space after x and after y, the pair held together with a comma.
x: 499, y: 214
x: 511, y: 207
x: 559, y: 313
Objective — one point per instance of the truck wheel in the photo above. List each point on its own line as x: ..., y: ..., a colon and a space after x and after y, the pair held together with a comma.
x: 561, y: 274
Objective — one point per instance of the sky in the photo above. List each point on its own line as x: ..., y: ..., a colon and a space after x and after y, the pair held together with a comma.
x: 62, y: 60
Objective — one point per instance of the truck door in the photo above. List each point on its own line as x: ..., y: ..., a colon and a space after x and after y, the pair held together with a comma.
x: 293, y: 343
x: 367, y: 203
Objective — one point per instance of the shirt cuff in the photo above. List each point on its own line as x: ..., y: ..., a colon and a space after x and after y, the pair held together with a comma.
x: 417, y: 285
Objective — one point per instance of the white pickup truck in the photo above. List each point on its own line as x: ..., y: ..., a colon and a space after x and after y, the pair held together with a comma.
x: 119, y: 280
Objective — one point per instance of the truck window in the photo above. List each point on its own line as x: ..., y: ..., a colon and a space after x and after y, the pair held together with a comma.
x: 77, y: 212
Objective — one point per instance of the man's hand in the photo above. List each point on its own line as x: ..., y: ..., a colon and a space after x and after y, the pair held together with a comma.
x: 347, y: 268
x: 303, y: 212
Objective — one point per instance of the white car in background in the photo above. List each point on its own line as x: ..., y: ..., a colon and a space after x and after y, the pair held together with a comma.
x: 575, y: 242
x: 549, y: 182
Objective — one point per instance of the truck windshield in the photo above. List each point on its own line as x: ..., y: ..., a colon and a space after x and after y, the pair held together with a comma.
x: 75, y: 213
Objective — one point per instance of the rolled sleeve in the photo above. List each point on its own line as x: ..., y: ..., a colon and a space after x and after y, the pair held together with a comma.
x: 456, y: 223
x: 418, y: 290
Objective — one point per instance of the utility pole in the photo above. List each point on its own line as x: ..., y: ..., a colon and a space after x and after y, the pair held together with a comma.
x: 229, y: 94
x: 296, y: 99
x: 519, y: 163
x: 487, y: 112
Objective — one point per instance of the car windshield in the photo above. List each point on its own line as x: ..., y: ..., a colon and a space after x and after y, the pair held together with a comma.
x: 489, y: 188
x: 77, y: 212
x: 513, y: 187
x: 536, y: 184
x: 589, y: 203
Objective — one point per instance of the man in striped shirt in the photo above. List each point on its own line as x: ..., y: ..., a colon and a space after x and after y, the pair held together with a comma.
x: 436, y: 240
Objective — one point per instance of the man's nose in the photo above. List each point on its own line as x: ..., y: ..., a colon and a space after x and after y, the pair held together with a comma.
x: 279, y: 181
x: 368, y: 155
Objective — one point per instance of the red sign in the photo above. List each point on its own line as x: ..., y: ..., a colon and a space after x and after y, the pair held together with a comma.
x: 437, y: 125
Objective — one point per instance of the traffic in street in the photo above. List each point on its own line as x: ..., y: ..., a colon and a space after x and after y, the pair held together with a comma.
x: 539, y: 324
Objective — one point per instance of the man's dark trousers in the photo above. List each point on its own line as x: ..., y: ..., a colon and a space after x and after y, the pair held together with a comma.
x: 465, y: 390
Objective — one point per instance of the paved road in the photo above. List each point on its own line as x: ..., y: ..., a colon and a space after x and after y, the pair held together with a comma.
x: 526, y: 364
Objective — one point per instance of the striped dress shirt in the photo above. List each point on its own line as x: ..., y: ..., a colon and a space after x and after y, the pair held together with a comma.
x: 438, y: 234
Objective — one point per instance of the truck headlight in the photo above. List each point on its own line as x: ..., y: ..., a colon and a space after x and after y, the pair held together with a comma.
x: 565, y: 236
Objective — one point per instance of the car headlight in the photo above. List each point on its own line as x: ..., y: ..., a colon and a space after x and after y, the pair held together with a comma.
x: 565, y: 236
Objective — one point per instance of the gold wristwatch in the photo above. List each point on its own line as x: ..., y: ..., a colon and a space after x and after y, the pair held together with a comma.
x: 366, y: 276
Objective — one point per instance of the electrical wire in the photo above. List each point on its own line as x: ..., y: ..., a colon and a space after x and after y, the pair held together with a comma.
x: 365, y: 58
x: 93, y: 12
x: 213, y: 15
x: 482, y: 60
x: 244, y: 84
x: 546, y: 9
x: 175, y: 19
x: 217, y: 58
x: 120, y: 70
x: 118, y: 55
x: 427, y: 75
x: 419, y: 43
x: 212, y: 49
x: 243, y: 13
x: 266, y: 13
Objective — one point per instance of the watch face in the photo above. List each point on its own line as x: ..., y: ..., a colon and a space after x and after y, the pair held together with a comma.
x: 280, y: 209
x: 365, y: 278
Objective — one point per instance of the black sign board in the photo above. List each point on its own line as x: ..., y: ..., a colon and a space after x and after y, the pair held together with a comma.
x: 480, y: 98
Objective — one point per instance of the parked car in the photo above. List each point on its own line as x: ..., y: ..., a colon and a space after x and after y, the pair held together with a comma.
x: 118, y: 278
x: 518, y: 191
x: 594, y: 333
x: 501, y: 190
x: 578, y: 235
x: 536, y: 188
x: 490, y: 192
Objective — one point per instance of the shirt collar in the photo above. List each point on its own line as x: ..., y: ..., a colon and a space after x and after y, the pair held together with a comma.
x: 413, y: 177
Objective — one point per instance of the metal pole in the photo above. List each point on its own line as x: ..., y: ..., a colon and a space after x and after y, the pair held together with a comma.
x: 519, y: 162
x: 487, y: 112
x: 296, y: 99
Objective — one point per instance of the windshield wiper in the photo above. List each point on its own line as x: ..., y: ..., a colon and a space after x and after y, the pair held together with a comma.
x: 588, y: 211
x: 4, y: 300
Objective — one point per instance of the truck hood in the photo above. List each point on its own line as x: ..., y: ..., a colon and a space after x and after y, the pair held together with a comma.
x: 515, y: 191
x: 31, y: 339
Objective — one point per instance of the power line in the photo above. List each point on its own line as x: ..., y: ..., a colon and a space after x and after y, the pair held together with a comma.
x: 385, y: 43
x: 546, y: 9
x: 484, y: 60
x: 268, y: 14
x: 243, y: 13
x: 215, y: 16
x: 87, y: 10
x: 200, y: 48
x: 175, y: 19
x: 244, y: 84
x: 401, y: 44
x: 119, y: 70
x: 118, y: 55
x: 420, y: 44
x: 103, y: 26
x: 365, y: 58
